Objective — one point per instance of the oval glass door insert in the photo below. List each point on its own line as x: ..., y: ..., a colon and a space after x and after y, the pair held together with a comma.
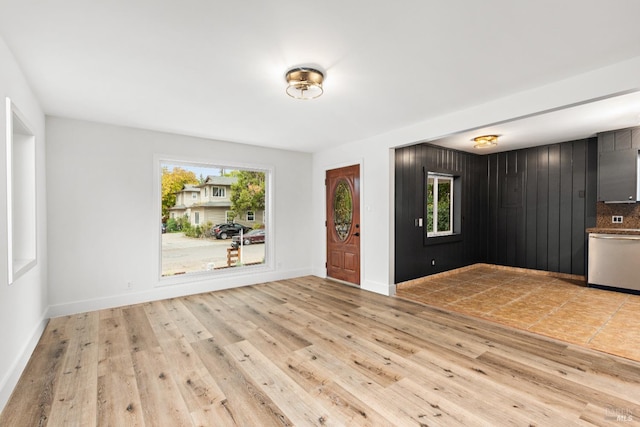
x: 342, y: 210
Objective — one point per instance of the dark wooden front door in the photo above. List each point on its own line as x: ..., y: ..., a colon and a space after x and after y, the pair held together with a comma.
x: 343, y: 224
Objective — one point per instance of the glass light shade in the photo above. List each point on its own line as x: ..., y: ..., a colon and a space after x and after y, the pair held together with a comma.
x: 304, y: 83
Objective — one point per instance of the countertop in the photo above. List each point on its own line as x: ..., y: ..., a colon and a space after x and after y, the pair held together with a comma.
x: 627, y: 231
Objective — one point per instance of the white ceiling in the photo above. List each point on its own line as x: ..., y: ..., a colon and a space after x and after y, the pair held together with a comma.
x: 566, y: 124
x: 216, y: 69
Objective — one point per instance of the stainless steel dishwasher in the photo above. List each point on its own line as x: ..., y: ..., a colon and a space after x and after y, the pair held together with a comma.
x: 614, y: 260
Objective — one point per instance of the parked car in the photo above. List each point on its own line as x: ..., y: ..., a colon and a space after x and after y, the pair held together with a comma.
x: 253, y: 236
x: 163, y: 227
x: 224, y: 231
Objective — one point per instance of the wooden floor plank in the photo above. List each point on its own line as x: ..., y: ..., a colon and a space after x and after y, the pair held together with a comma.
x: 295, y: 402
x: 246, y: 404
x: 30, y: 402
x: 192, y: 329
x: 197, y: 387
x: 308, y: 351
x: 75, y: 397
x: 162, y: 402
x: 118, y: 395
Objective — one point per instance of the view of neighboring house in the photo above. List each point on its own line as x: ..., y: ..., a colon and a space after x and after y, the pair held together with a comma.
x: 211, y: 202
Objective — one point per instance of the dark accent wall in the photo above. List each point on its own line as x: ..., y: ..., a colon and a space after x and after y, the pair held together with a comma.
x: 413, y: 255
x: 524, y: 208
x: 541, y: 200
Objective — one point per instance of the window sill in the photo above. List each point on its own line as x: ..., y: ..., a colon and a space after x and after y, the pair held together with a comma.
x: 439, y: 240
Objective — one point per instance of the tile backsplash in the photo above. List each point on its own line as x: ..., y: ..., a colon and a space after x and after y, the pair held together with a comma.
x: 630, y: 212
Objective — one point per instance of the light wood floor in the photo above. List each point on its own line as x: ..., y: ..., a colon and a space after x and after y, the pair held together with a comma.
x: 311, y: 352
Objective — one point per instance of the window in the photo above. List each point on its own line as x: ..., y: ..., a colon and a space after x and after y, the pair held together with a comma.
x: 440, y: 199
x: 218, y: 192
x: 194, y: 241
x: 21, y: 194
x: 205, y: 192
x: 194, y: 196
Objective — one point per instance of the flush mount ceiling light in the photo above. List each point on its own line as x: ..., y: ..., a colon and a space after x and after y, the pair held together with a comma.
x: 304, y: 83
x: 485, y: 141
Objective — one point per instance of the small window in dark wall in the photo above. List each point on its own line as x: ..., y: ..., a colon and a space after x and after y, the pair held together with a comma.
x: 443, y: 213
x: 440, y: 203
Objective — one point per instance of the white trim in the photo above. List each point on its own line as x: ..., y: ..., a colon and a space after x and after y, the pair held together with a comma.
x: 437, y: 177
x: 10, y: 380
x: 219, y: 189
x: 17, y: 269
x: 186, y: 279
x: 180, y: 290
x: 9, y: 154
x: 379, y: 288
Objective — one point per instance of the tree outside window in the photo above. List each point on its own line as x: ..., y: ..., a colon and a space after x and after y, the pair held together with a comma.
x: 439, y: 205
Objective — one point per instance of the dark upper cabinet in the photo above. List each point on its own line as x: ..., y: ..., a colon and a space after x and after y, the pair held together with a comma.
x: 618, y: 165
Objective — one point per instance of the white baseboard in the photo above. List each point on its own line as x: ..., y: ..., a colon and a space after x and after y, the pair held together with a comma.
x: 9, y: 381
x: 379, y: 288
x: 172, y: 291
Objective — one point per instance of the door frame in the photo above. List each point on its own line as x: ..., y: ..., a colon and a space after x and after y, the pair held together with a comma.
x: 360, y: 163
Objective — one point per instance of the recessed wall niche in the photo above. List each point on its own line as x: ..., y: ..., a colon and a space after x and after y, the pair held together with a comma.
x: 21, y: 194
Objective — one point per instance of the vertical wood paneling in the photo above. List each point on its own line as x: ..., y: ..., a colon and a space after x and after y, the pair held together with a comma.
x: 492, y: 215
x: 541, y: 227
x: 412, y: 256
x: 578, y: 208
x: 553, y: 217
x: 542, y: 209
x: 531, y: 208
x: 502, y: 214
x: 566, y: 207
x: 548, y: 231
x: 521, y: 230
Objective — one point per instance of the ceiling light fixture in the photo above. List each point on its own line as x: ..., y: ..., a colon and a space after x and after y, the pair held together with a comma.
x: 485, y: 141
x: 304, y: 83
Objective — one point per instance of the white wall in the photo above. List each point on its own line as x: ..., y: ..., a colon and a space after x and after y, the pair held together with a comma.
x: 103, y: 213
x: 23, y: 304
x: 376, y: 157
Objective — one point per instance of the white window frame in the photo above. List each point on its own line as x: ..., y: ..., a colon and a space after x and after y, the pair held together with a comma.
x: 268, y: 266
x: 436, y: 180
x: 218, y: 192
x: 226, y: 216
x: 251, y: 214
x: 194, y: 195
x: 196, y: 218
